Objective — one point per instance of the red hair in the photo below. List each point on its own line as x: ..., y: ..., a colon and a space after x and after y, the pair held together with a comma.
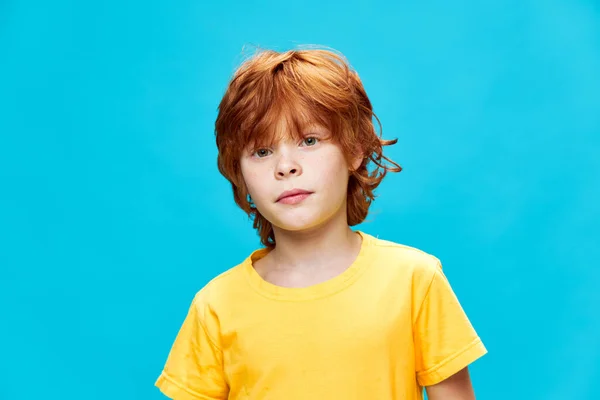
x: 302, y: 86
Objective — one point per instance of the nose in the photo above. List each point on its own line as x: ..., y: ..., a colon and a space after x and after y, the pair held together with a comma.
x: 287, y: 166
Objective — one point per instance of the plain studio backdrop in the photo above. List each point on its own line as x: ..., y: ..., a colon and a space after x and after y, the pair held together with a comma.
x: 113, y: 213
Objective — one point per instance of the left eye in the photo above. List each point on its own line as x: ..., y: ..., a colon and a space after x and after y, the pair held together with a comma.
x: 310, y: 141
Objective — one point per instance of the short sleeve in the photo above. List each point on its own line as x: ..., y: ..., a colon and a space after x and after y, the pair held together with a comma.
x: 445, y: 340
x: 194, y: 367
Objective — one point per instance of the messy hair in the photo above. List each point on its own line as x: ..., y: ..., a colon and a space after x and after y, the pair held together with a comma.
x: 310, y: 86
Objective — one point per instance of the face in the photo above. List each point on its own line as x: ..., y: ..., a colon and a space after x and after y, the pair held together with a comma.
x: 298, y: 185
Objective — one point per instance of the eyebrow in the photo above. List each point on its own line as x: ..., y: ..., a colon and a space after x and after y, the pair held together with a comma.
x: 315, y: 127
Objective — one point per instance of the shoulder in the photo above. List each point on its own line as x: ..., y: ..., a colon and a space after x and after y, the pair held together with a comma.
x: 399, y: 257
x: 223, y: 288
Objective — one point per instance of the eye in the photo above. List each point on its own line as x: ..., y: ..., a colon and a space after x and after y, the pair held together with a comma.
x: 260, y: 153
x: 310, y: 141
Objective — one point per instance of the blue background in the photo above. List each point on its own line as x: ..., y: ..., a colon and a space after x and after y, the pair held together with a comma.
x: 113, y: 214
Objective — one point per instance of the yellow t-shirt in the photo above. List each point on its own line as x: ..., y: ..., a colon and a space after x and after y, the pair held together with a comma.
x: 384, y: 328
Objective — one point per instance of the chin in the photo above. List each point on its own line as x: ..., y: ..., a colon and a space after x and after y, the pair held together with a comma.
x: 301, y: 218
x: 297, y: 222
x: 295, y: 226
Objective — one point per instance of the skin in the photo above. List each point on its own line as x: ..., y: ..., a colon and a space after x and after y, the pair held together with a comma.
x: 314, y: 241
x: 457, y: 387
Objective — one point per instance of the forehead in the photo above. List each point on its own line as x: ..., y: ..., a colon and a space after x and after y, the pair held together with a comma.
x: 283, y: 128
x: 286, y: 125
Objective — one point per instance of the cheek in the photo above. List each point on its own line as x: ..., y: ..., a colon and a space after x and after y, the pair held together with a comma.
x: 249, y: 178
x: 255, y: 182
x: 333, y: 180
x: 333, y: 170
x: 253, y: 185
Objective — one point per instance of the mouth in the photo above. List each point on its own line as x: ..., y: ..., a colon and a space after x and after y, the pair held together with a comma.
x: 293, y: 196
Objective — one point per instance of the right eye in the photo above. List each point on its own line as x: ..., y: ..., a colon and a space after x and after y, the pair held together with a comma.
x: 260, y: 153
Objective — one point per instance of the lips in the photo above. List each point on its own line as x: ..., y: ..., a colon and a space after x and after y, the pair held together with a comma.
x: 291, y: 193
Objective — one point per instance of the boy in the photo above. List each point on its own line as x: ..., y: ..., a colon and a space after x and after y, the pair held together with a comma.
x: 322, y: 312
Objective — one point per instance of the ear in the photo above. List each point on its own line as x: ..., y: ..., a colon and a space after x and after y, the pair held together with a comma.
x: 357, y: 161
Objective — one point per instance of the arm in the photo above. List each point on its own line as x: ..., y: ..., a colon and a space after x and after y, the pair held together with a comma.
x: 194, y: 367
x: 445, y: 341
x: 457, y: 387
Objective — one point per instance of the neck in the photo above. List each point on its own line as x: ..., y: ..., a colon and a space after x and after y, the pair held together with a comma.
x: 316, y: 247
